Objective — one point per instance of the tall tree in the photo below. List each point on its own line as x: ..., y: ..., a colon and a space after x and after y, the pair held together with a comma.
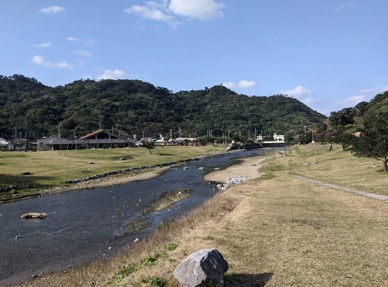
x: 373, y: 140
x: 148, y: 144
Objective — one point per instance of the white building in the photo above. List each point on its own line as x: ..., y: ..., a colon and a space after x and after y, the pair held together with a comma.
x: 3, y: 142
x: 278, y: 138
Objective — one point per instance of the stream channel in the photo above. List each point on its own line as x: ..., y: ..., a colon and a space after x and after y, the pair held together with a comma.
x: 92, y: 224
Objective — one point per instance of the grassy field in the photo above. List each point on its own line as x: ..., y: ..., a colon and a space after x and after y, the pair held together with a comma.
x: 275, y: 230
x: 52, y: 168
x: 337, y: 167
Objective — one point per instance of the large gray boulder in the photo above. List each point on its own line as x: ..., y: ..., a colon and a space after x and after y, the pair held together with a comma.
x: 204, y: 268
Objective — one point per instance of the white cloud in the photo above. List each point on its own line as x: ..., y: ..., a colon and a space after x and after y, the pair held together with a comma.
x: 40, y: 61
x: 366, y: 91
x: 154, y: 11
x: 354, y: 100
x: 241, y: 85
x: 149, y: 13
x: 83, y: 53
x: 298, y: 92
x: 368, y: 94
x: 83, y: 42
x: 344, y: 6
x: 200, y: 9
x: 169, y: 11
x: 362, y: 95
x: 111, y: 74
x: 52, y: 10
x: 302, y: 94
x: 73, y: 39
x: 43, y: 45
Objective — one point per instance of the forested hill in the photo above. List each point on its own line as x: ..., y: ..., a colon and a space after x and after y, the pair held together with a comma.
x: 31, y: 109
x: 347, y: 121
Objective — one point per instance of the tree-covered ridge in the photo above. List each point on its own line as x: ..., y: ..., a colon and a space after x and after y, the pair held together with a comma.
x: 352, y: 119
x: 362, y: 129
x: 129, y: 107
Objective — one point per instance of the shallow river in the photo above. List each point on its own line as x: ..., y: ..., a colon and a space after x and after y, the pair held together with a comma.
x: 91, y: 224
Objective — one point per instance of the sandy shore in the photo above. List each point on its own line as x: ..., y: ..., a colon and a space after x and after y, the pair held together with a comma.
x: 108, y: 181
x: 248, y: 169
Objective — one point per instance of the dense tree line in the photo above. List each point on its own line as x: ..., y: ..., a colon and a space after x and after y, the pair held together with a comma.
x: 30, y: 109
x: 362, y: 129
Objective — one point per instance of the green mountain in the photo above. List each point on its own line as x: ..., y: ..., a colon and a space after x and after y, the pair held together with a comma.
x: 30, y: 109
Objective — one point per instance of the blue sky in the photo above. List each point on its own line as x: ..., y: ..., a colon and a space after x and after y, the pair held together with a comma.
x: 329, y: 54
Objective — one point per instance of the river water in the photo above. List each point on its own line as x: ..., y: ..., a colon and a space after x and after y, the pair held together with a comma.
x: 92, y: 224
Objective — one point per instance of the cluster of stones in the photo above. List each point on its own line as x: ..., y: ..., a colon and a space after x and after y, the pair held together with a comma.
x: 230, y: 181
x: 13, y: 187
x: 132, y: 169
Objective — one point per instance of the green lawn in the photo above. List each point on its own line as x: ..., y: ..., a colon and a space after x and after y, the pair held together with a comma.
x: 52, y: 168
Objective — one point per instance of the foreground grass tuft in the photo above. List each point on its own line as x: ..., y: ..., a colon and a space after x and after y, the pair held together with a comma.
x: 127, y: 270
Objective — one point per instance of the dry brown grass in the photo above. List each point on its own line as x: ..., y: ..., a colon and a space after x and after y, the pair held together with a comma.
x: 337, y: 167
x: 274, y: 231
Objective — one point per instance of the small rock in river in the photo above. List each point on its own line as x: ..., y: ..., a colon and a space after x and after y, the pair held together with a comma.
x: 34, y: 215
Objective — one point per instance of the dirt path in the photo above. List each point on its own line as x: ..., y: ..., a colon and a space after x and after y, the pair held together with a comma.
x: 344, y: 188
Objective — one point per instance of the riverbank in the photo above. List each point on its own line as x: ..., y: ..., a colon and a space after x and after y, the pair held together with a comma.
x: 274, y: 230
x: 28, y: 174
x: 86, y: 225
x: 245, y: 164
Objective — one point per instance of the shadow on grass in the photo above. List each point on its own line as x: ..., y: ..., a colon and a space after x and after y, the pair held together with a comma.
x: 30, y: 180
x: 164, y: 154
x: 247, y: 280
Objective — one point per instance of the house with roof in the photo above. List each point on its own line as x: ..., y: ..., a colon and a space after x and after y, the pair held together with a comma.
x: 55, y: 143
x: 98, y: 139
x: 104, y: 139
